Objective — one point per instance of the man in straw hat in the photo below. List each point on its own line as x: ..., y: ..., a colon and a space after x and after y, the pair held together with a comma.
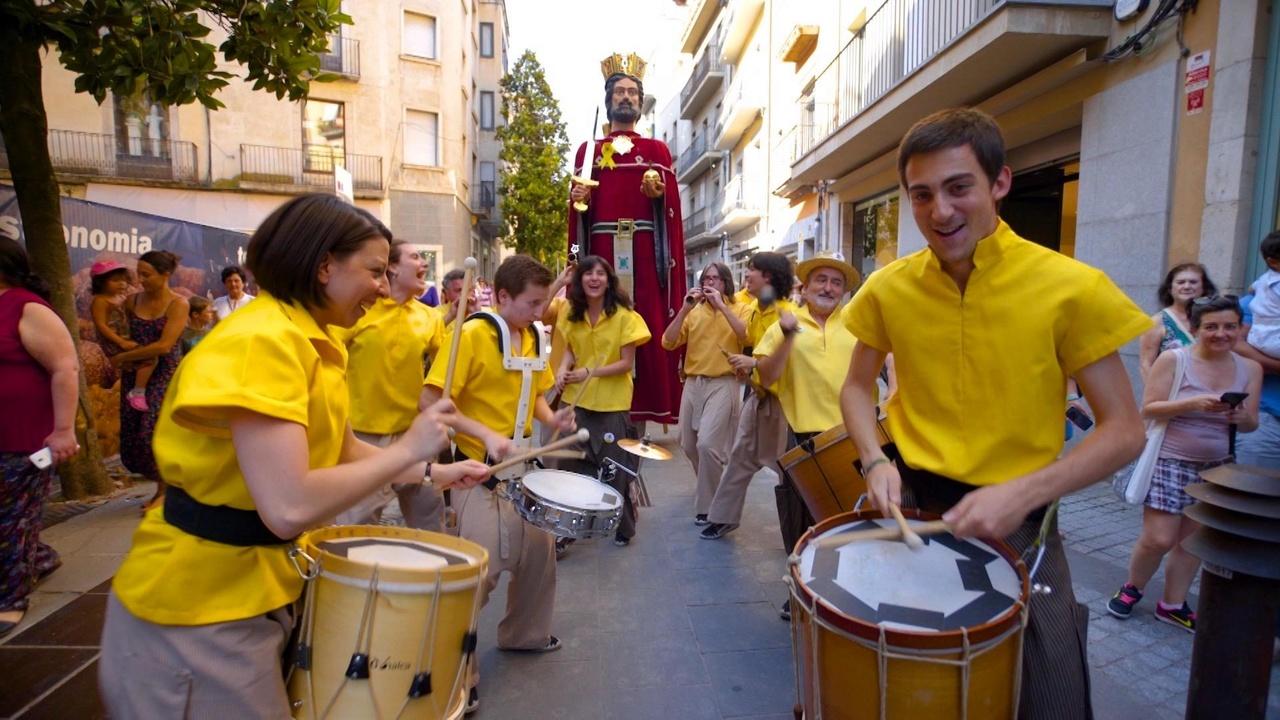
x: 631, y: 218
x: 985, y: 328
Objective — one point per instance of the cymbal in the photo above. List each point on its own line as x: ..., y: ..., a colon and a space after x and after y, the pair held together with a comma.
x: 1245, y: 478
x: 1241, y: 502
x: 644, y: 449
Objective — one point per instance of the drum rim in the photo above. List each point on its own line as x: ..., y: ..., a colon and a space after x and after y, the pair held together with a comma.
x: 526, y: 490
x: 825, y: 439
x: 337, y: 565
x: 918, y: 640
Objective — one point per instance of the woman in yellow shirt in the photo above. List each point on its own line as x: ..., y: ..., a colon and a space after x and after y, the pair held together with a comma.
x: 601, y: 334
x: 254, y: 441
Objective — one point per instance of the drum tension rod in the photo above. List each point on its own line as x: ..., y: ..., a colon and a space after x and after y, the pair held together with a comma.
x: 358, y: 668
x: 469, y: 642
x: 421, y: 685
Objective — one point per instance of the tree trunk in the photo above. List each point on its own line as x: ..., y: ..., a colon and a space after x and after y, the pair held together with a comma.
x: 25, y: 128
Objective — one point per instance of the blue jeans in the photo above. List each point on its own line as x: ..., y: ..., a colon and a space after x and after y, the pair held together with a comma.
x: 1262, y: 446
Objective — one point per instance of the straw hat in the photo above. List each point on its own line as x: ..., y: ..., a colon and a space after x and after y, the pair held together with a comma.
x: 830, y: 260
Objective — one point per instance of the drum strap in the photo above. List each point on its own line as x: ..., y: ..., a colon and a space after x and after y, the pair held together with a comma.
x: 219, y: 523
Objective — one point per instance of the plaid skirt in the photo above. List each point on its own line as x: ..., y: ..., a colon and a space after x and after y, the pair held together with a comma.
x: 1169, y: 481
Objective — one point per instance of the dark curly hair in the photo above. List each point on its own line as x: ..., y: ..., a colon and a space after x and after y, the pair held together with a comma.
x: 777, y: 269
x: 614, y: 296
x: 1165, y: 292
x: 15, y: 268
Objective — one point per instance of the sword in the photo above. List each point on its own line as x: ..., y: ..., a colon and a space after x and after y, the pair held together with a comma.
x: 584, y: 178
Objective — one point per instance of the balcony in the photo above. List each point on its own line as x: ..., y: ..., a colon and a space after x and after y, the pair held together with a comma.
x: 733, y: 213
x: 700, y: 17
x: 307, y: 168
x: 695, y: 160
x: 695, y: 226
x: 108, y: 156
x: 741, y: 108
x: 705, y: 79
x: 486, y: 197
x: 343, y: 58
x: 906, y: 62
x: 737, y: 29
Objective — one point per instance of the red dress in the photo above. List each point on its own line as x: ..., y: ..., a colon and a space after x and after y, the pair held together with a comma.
x: 658, y: 291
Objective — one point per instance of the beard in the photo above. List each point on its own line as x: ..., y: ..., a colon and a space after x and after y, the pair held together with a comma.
x: 624, y: 112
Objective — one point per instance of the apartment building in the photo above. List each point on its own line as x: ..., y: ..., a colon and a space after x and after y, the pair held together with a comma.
x: 411, y: 117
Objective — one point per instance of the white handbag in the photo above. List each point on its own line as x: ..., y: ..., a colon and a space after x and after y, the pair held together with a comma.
x: 1131, y: 483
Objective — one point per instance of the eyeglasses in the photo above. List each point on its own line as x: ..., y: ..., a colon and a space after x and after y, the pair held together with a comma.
x: 1205, y: 300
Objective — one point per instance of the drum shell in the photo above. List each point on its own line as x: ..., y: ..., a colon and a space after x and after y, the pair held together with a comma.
x: 826, y: 478
x: 561, y: 518
x: 838, y: 656
x: 402, y: 618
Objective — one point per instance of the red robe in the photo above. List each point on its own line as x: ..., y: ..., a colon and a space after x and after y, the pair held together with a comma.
x: 657, y: 389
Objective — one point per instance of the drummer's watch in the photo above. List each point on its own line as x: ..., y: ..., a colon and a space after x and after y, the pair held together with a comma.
x: 426, y: 475
x: 882, y: 460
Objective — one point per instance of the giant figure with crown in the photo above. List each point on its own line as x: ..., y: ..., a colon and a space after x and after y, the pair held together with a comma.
x: 626, y: 209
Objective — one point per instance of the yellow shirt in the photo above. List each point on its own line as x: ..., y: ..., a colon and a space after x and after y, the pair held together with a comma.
x: 482, y: 389
x: 598, y: 345
x: 270, y: 358
x: 758, y: 321
x: 982, y: 376
x: 387, y: 348
x: 557, y: 340
x: 809, y: 388
x: 742, y: 296
x: 711, y: 333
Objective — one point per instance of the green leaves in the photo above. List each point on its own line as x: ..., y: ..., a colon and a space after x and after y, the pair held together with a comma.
x: 533, y: 183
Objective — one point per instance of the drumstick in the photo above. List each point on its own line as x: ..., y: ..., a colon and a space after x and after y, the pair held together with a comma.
x: 581, y: 436
x: 909, y: 537
x: 566, y: 454
x: 461, y: 315
x: 933, y: 527
x: 571, y: 406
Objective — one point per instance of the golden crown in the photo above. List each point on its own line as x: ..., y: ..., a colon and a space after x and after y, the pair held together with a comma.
x: 630, y: 65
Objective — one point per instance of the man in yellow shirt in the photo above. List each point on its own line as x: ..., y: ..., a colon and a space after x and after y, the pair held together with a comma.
x: 387, y: 351
x: 501, y: 405
x: 985, y: 328
x: 760, y: 433
x: 713, y: 327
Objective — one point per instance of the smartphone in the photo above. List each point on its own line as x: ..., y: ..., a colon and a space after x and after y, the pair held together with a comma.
x: 41, y: 458
x: 1233, y: 398
x: 1079, y: 418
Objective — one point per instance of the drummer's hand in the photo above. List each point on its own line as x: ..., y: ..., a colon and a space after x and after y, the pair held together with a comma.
x: 742, y: 364
x: 575, y: 375
x: 564, y: 420
x: 884, y: 486
x: 994, y: 511
x: 498, y: 448
x: 427, y: 436
x: 467, y: 473
x: 579, y: 193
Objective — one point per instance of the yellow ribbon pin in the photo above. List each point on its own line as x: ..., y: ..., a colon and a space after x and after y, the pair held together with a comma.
x: 606, y: 156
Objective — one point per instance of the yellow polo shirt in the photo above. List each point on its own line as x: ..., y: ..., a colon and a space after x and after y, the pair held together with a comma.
x: 809, y: 388
x: 982, y: 377
x: 482, y: 389
x: 758, y: 320
x: 557, y: 340
x: 711, y: 333
x: 271, y: 358
x: 601, y: 344
x: 387, y: 349
x: 742, y: 296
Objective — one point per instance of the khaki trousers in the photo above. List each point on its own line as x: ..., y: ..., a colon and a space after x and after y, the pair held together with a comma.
x: 760, y: 439
x: 517, y: 547
x: 224, y: 670
x: 421, y: 505
x: 708, y: 414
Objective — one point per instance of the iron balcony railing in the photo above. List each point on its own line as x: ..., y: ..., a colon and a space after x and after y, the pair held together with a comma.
x: 696, y: 223
x: 97, y: 155
x: 733, y: 198
x: 311, y: 165
x: 692, y: 153
x: 708, y: 63
x: 900, y: 37
x: 486, y: 195
x: 343, y: 57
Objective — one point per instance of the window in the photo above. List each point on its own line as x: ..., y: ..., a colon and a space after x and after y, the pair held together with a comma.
x: 488, y: 184
x: 486, y: 110
x: 324, y: 141
x: 875, y: 233
x: 486, y: 40
x: 419, y: 35
x: 142, y: 127
x: 421, y: 138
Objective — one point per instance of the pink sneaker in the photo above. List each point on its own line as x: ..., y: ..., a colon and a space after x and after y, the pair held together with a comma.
x: 137, y: 399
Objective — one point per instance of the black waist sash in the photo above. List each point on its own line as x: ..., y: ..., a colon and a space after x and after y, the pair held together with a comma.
x: 219, y: 523
x: 937, y: 493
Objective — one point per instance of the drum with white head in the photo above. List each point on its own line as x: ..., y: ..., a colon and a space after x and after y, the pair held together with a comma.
x: 566, y: 504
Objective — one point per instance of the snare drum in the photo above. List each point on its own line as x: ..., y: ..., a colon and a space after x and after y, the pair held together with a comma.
x: 880, y: 631
x: 388, y: 623
x: 822, y: 471
x: 566, y: 504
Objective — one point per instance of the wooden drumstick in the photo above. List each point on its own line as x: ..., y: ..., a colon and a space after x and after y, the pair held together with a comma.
x: 909, y: 536
x: 468, y: 278
x: 581, y: 436
x: 573, y: 405
x: 933, y: 527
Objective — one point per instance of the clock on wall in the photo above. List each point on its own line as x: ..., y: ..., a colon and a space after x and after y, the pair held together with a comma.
x: 1127, y: 9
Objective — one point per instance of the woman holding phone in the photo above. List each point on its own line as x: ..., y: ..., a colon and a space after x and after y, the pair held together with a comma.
x: 1218, y: 389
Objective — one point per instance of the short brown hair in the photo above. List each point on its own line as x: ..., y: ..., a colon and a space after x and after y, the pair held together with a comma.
x: 519, y: 272
x: 951, y: 128
x: 197, y: 304
x: 288, y: 247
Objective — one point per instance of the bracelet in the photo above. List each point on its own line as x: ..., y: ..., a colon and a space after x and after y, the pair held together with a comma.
x: 882, y: 460
x: 426, y: 475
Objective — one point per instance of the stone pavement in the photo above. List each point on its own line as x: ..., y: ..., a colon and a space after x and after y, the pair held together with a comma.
x: 671, y: 627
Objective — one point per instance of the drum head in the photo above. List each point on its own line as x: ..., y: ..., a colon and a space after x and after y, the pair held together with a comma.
x: 398, y: 553
x: 948, y: 585
x: 572, y: 489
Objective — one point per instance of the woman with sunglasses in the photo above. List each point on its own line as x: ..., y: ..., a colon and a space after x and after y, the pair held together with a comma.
x: 1207, y: 403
